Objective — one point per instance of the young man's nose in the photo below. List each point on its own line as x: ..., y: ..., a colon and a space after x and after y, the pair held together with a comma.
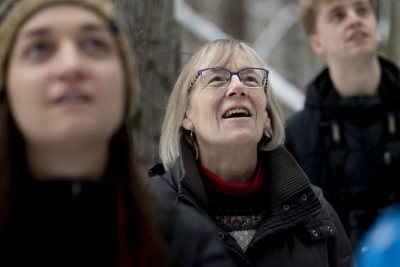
x: 353, y: 17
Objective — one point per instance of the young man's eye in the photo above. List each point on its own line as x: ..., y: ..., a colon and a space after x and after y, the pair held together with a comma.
x: 362, y: 11
x: 338, y: 16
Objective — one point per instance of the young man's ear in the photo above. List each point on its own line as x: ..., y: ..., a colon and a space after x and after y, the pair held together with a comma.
x: 316, y: 44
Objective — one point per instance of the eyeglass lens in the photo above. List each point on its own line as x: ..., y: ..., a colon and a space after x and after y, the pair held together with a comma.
x: 252, y: 78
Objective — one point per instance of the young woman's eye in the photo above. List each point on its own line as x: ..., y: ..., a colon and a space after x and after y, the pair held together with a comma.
x: 38, y: 50
x: 96, y: 47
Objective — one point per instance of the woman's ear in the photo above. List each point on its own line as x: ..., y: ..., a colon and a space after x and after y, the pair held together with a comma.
x: 267, y: 124
x: 316, y: 44
x: 187, y: 124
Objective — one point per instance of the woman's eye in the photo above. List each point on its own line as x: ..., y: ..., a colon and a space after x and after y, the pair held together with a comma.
x: 38, y: 50
x: 249, y: 79
x: 96, y: 47
x: 216, y: 80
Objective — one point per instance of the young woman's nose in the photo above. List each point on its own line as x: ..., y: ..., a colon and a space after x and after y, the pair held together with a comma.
x: 236, y: 87
x: 68, y: 64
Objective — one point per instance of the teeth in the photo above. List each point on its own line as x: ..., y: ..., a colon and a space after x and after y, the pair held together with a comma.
x: 358, y: 35
x: 230, y: 112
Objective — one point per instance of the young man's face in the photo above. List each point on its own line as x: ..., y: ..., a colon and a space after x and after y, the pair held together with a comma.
x: 345, y: 29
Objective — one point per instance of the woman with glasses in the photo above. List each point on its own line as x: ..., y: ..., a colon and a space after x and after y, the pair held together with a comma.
x: 221, y: 149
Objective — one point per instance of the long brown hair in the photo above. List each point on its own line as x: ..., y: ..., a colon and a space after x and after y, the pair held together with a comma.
x: 138, y: 234
x: 138, y: 237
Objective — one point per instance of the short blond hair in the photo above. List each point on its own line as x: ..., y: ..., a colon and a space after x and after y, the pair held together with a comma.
x: 309, y: 10
x: 218, y: 53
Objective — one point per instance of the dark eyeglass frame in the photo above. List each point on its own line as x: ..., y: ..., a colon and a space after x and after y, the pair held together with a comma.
x: 200, y: 72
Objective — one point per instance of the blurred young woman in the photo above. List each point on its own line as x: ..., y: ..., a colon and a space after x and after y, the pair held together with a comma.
x: 221, y: 149
x: 70, y: 190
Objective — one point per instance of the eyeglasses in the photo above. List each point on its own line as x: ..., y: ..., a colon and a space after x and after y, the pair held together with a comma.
x: 221, y: 78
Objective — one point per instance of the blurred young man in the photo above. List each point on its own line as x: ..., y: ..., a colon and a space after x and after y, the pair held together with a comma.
x: 347, y: 138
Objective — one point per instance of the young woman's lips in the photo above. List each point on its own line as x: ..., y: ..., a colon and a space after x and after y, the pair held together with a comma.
x: 72, y: 98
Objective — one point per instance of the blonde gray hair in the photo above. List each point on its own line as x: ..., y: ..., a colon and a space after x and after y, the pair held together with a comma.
x: 218, y: 53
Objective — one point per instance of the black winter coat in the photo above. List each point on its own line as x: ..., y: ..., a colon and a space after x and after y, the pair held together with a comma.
x: 350, y: 147
x: 72, y: 223
x: 301, y: 229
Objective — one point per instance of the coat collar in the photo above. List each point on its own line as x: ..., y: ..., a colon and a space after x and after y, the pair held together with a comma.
x: 292, y: 199
x: 321, y: 93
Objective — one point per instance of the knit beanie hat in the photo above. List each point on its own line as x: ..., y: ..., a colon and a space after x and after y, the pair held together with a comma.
x: 13, y: 13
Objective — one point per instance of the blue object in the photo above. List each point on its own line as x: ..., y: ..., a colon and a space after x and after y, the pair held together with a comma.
x: 380, y: 247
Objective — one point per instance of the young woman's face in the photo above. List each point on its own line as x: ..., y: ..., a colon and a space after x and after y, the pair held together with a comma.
x: 235, y: 115
x: 65, y: 79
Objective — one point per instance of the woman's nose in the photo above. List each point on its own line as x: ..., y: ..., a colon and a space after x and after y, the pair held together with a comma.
x: 68, y: 64
x: 236, y: 87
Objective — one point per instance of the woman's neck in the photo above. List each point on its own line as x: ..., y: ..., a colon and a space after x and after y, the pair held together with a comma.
x: 88, y: 161
x: 356, y: 77
x: 235, y: 164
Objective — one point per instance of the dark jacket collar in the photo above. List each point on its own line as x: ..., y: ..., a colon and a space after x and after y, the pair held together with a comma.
x: 321, y: 92
x: 292, y: 200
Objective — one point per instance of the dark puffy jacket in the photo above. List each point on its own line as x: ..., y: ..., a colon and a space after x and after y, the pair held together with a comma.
x: 72, y: 223
x: 191, y: 238
x: 300, y: 227
x: 350, y: 147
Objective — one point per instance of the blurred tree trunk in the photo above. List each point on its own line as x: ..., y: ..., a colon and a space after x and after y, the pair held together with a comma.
x: 157, y: 42
x: 226, y: 14
x: 233, y: 19
x: 392, y: 47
